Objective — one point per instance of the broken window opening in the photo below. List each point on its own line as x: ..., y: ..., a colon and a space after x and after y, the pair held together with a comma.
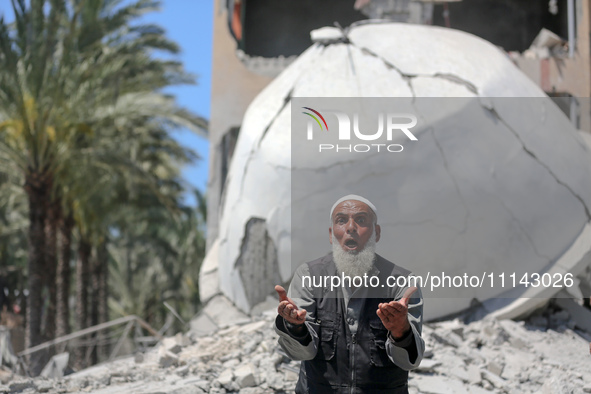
x: 510, y: 24
x: 272, y: 28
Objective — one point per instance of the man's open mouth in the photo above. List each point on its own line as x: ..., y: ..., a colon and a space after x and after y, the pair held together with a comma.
x: 351, y: 244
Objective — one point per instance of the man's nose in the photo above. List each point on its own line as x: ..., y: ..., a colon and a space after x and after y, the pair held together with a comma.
x: 351, y: 227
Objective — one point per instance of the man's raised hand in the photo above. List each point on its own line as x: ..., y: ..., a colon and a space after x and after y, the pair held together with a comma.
x: 288, y: 309
x: 394, y: 314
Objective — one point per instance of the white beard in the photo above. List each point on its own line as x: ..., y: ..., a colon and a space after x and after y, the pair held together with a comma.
x: 354, y: 264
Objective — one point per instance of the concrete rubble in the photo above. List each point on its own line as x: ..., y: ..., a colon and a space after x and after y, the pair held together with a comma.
x: 548, y: 353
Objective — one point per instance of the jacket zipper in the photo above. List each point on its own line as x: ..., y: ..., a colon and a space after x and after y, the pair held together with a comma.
x: 352, y: 366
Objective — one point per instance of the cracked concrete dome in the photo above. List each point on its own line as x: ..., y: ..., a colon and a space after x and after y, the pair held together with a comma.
x: 511, y: 197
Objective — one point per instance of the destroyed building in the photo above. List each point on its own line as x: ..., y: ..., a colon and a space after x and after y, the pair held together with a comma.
x: 546, y: 353
x: 547, y: 41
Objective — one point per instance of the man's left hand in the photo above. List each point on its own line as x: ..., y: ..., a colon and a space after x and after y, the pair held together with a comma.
x: 394, y: 314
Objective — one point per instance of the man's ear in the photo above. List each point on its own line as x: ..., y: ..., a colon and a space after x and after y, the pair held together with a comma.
x: 330, y: 235
x: 378, y: 230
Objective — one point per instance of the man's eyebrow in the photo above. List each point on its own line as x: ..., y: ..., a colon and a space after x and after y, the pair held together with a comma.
x: 341, y: 214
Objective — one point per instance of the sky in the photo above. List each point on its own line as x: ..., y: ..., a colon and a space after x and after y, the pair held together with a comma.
x: 190, y: 24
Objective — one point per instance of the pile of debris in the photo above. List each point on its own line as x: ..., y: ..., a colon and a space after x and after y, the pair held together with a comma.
x: 545, y: 354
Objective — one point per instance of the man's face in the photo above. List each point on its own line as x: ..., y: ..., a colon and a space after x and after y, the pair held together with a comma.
x: 353, y: 223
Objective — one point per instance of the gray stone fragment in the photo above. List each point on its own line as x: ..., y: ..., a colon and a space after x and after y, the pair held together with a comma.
x: 171, y: 345
x: 539, y: 321
x: 495, y: 368
x: 450, y: 338
x: 203, y: 385
x: 427, y: 365
x: 245, y: 375
x: 493, y: 379
x: 44, y: 387
x: 104, y: 380
x: 223, y: 313
x: 18, y: 387
x: 182, y: 371
x: 459, y: 331
x: 233, y: 362
x: 460, y: 373
x: 480, y: 390
x: 434, y: 384
x: 202, y: 325
x: 225, y: 377
x: 189, y: 389
x: 118, y: 380
x: 581, y: 316
x: 253, y: 390
x: 275, y: 380
x: 166, y: 359
x: 183, y: 340
x: 517, y: 343
x: 556, y: 385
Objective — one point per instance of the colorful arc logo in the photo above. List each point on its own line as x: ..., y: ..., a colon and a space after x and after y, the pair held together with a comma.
x: 315, y: 118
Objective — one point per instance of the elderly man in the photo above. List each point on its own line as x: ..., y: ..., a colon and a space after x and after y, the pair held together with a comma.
x: 351, y: 339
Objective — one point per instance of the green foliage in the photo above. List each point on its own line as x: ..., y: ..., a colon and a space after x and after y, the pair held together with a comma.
x: 82, y: 109
x: 156, y: 260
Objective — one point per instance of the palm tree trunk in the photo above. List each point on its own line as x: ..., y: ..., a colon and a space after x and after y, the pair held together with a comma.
x: 103, y: 295
x: 65, y: 227
x: 37, y: 187
x: 95, y: 274
x: 51, y: 230
x: 84, y: 249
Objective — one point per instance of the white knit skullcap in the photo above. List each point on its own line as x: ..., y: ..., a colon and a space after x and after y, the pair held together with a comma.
x: 355, y: 198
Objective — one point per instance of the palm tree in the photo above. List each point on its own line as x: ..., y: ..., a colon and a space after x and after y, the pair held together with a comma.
x: 27, y: 129
x: 70, y: 94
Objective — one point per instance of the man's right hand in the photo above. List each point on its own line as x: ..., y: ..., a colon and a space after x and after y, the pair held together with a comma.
x: 288, y: 309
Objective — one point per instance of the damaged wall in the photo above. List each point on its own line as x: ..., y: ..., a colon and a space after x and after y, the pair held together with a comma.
x: 257, y: 263
x: 413, y: 63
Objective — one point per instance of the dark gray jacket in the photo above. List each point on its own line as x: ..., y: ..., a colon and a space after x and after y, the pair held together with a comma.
x: 338, y: 359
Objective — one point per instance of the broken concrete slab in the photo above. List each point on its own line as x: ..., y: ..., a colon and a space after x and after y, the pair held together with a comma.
x: 202, y: 325
x: 223, y: 313
x: 580, y: 315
